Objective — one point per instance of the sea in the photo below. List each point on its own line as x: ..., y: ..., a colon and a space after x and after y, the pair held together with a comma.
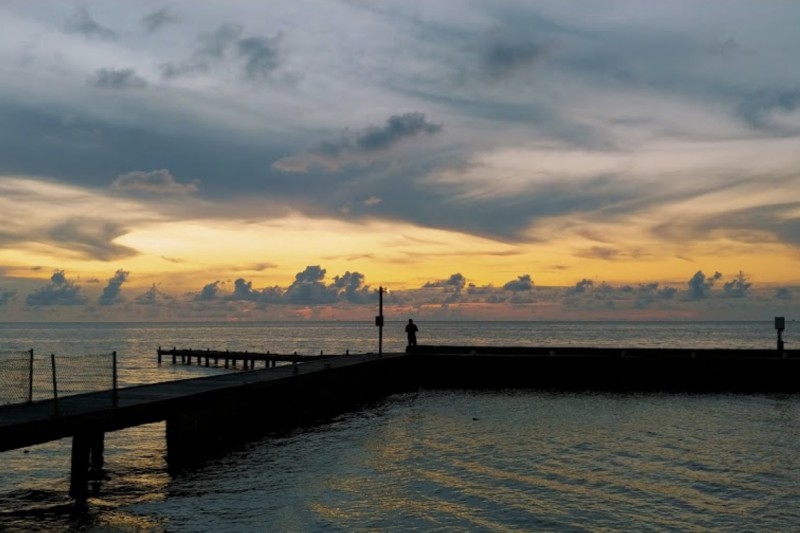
x: 440, y: 461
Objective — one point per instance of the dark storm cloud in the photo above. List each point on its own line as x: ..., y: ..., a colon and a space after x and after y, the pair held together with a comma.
x: 744, y: 225
x: 521, y: 284
x: 93, y: 239
x: 156, y: 182
x: 60, y: 291
x: 397, y: 128
x: 84, y: 24
x: 158, y: 19
x: 111, y: 292
x: 87, y: 150
x: 330, y: 154
x: 700, y: 285
x: 109, y: 78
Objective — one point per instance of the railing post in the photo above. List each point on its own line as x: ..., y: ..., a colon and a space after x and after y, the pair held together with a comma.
x: 30, y: 377
x: 114, y: 397
x: 55, y: 382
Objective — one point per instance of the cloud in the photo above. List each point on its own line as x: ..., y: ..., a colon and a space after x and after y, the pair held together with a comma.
x: 92, y: 238
x: 262, y: 56
x: 158, y: 19
x: 332, y: 154
x: 6, y: 296
x: 59, y: 291
x: 153, y: 296
x: 209, y: 292
x: 456, y: 282
x: 700, y: 286
x: 308, y: 288
x: 503, y: 59
x: 84, y: 24
x: 761, y: 108
x: 111, y: 292
x: 783, y: 293
x: 649, y: 293
x: 109, y: 78
x: 156, y: 182
x: 738, y: 287
x: 521, y: 284
x: 397, y: 128
x: 217, y: 44
x: 351, y: 288
x: 243, y: 290
x: 581, y: 287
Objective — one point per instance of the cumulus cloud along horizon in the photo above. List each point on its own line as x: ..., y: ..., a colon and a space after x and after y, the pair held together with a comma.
x: 312, y: 288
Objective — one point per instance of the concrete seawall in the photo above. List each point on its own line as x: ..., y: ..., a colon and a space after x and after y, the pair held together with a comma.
x: 222, y: 418
x: 607, y: 369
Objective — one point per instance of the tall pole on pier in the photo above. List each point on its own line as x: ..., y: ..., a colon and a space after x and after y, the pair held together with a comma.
x: 379, y: 321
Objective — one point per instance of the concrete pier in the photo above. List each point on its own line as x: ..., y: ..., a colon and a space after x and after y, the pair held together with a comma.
x: 608, y: 369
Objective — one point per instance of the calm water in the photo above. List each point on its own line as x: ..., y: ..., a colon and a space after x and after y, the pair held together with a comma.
x: 434, y: 461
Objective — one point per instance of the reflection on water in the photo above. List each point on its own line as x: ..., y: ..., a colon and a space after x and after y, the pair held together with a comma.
x: 498, y: 461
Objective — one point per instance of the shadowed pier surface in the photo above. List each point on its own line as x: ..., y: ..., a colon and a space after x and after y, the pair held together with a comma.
x: 622, y: 369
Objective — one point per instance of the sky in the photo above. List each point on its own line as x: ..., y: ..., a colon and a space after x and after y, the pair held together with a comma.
x: 487, y: 160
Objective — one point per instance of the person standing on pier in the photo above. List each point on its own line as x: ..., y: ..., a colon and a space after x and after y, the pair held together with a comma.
x: 411, y: 331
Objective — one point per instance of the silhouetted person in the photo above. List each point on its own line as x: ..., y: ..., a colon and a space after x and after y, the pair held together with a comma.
x: 411, y: 331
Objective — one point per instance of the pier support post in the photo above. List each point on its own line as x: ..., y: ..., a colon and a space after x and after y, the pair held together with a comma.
x: 86, y: 462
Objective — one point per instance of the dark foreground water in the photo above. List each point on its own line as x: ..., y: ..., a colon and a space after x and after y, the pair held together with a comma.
x: 440, y: 460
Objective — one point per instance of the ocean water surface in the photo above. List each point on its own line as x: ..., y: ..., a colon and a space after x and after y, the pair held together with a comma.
x: 512, y: 460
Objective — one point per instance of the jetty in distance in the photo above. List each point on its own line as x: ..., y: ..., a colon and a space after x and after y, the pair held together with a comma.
x: 567, y: 368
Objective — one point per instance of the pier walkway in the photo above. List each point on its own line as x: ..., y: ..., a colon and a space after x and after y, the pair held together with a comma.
x: 201, y: 413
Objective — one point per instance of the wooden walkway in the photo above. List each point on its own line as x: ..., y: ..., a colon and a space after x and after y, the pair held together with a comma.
x: 41, y: 421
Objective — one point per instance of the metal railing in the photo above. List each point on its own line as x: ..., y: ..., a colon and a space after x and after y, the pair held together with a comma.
x: 25, y: 378
x: 16, y: 377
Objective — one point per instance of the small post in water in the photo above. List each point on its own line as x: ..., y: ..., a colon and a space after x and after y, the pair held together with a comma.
x: 780, y: 323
